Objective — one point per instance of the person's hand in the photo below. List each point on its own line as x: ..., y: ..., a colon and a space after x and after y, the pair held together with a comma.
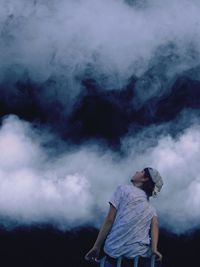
x: 158, y: 255
x: 93, y: 254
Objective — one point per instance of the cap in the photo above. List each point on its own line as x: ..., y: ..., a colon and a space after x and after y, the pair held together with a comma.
x: 157, y: 179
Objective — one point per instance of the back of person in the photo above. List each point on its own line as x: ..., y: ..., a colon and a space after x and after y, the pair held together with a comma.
x: 129, y: 235
x: 126, y: 228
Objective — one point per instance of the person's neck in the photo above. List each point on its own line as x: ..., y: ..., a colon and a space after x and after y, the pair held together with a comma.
x: 137, y: 184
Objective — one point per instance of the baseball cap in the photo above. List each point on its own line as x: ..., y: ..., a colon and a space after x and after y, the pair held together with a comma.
x: 157, y: 179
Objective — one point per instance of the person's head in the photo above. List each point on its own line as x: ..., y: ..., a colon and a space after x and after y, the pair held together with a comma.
x: 148, y: 180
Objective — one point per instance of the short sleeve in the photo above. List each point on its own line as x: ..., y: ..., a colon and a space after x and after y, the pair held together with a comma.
x: 116, y: 197
x: 154, y: 213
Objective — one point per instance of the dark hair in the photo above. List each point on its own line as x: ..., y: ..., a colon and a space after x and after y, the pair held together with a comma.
x: 148, y: 186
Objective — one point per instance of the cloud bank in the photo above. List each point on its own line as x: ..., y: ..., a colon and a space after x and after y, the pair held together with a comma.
x: 72, y: 189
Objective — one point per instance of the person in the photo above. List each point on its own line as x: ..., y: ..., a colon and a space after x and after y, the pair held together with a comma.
x: 131, y: 228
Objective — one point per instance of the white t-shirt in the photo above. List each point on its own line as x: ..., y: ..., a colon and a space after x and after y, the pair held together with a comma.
x: 129, y: 235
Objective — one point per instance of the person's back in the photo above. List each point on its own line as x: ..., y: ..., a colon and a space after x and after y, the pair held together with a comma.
x: 129, y: 235
x: 130, y: 217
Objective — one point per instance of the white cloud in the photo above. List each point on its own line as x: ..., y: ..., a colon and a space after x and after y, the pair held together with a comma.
x: 30, y: 190
x: 65, y: 40
x: 73, y: 188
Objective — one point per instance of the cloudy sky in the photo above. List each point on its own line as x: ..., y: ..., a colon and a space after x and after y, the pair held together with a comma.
x: 92, y: 91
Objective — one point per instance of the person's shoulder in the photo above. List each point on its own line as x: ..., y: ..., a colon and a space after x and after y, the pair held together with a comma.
x: 122, y: 187
x: 153, y: 209
x: 125, y: 188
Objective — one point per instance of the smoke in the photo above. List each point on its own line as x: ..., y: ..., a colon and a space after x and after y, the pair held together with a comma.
x: 123, y: 71
x: 67, y: 189
x: 109, y: 41
x: 30, y: 189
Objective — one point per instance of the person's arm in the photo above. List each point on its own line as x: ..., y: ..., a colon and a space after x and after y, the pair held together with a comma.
x: 105, y: 229
x: 154, y: 237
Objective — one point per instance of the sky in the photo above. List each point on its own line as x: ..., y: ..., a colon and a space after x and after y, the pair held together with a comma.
x: 92, y: 91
